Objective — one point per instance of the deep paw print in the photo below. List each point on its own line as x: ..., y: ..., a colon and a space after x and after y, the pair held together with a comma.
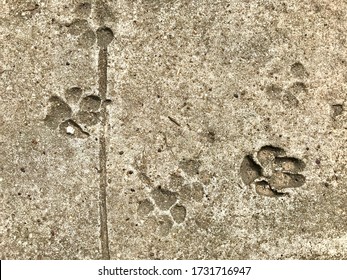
x: 73, y: 123
x: 270, y: 171
x: 163, y: 210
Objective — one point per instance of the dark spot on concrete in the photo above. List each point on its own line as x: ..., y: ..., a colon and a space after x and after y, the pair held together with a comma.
x: 78, y: 26
x: 298, y: 70
x: 164, y: 199
x: 190, y: 166
x: 88, y: 118
x: 178, y: 213
x: 290, y: 100
x: 249, y: 170
x: 268, y: 153
x: 145, y: 207
x: 87, y: 39
x: 263, y: 188
x: 289, y: 164
x: 73, y: 94
x: 282, y: 180
x: 104, y: 36
x: 197, y: 191
x: 273, y: 91
x: 83, y: 9
x: 164, y: 225
x: 90, y: 103
x: 297, y: 88
x: 337, y: 109
x: 58, y: 111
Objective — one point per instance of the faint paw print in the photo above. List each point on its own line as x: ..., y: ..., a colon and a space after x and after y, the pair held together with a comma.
x: 73, y: 123
x: 194, y: 181
x: 82, y: 31
x: 291, y: 95
x: 165, y: 203
x: 165, y: 208
x: 270, y: 171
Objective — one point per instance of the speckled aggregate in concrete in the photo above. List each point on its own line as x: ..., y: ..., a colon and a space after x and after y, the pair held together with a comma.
x: 220, y: 132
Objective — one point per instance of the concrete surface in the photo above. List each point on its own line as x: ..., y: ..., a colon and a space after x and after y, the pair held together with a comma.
x: 173, y: 129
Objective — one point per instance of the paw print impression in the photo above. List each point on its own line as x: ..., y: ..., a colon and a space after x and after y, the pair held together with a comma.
x: 82, y: 31
x: 73, y: 115
x: 298, y: 89
x: 193, y: 188
x: 163, y: 209
x: 270, y: 171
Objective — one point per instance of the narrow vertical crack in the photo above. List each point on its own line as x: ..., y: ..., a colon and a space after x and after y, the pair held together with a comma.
x: 104, y: 38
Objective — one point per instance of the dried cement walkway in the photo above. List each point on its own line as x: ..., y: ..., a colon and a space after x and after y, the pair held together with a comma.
x: 173, y: 129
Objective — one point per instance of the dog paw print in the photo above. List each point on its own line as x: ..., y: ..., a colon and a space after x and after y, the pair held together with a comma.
x: 73, y: 122
x: 291, y: 95
x: 194, y: 181
x: 270, y: 171
x: 163, y: 209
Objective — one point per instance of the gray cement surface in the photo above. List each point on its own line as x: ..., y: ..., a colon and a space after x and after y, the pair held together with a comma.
x: 173, y: 129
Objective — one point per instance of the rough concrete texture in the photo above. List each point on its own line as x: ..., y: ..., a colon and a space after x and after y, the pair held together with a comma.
x: 173, y: 129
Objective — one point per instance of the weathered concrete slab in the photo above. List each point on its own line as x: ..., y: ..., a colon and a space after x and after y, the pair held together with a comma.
x: 49, y: 182
x: 173, y: 130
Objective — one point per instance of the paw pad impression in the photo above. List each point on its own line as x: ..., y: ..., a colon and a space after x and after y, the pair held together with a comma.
x: 270, y: 171
x: 73, y: 123
x: 165, y: 202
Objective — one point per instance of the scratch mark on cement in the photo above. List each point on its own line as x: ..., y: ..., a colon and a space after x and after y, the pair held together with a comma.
x: 104, y: 38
